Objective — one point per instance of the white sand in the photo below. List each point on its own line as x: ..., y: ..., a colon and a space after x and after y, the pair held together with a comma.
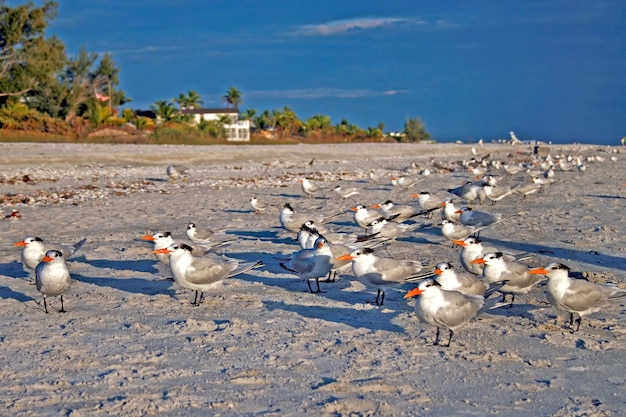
x: 132, y: 344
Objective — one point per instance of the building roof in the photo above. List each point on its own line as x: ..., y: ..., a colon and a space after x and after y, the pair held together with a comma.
x: 228, y: 110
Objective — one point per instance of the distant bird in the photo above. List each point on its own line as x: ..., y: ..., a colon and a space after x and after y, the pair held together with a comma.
x: 405, y: 182
x: 202, y: 273
x: 363, y: 216
x: 397, y: 212
x: 345, y: 192
x: 428, y: 201
x: 52, y: 277
x: 35, y: 249
x: 534, y: 186
x: 176, y: 172
x: 292, y: 221
x: 443, y: 308
x: 13, y: 215
x: 496, y: 193
x: 308, y: 187
x: 311, y: 263
x: 453, y: 231
x: 207, y: 238
x: 382, y: 229
x: 257, y: 205
x: 577, y: 296
x: 471, y: 217
x: 382, y: 273
x: 469, y: 192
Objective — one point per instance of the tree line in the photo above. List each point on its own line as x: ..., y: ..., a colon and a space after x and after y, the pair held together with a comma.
x: 43, y: 88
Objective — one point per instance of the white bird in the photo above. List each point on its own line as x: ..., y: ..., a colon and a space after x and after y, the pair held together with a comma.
x: 428, y: 202
x: 535, y: 185
x: 52, y: 277
x: 465, y: 283
x: 397, y: 212
x: 345, y: 192
x: 308, y: 187
x: 450, y: 212
x: 577, y: 296
x: 443, y: 308
x: 207, y: 238
x: 512, y: 169
x: 311, y: 263
x: 363, y: 216
x: 257, y: 205
x: 405, y: 182
x: 471, y: 217
x: 202, y: 273
x: 516, y: 276
x: 292, y: 221
x: 160, y: 240
x: 382, y: 229
x: 176, y: 172
x: 34, y: 250
x: 469, y: 192
x: 473, y: 248
x: 452, y: 231
x: 496, y: 193
x: 382, y: 273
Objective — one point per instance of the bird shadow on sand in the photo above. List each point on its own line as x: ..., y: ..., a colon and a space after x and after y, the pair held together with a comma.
x: 130, y: 285
x: 591, y: 257
x: 617, y: 197
x: 141, y: 265
x: 369, y: 319
x: 14, y: 270
x: 7, y: 293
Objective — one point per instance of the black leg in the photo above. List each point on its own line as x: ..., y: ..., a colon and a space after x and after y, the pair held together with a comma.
x: 45, y: 304
x: 317, y: 282
x: 450, y: 339
x: 436, y: 337
x: 62, y: 310
x: 382, y: 300
x: 578, y: 323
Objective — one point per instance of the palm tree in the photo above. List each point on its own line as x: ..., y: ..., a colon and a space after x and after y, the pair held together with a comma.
x: 194, y: 101
x: 232, y: 98
x: 164, y: 110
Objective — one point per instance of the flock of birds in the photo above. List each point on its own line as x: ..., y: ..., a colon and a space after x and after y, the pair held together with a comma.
x: 447, y: 298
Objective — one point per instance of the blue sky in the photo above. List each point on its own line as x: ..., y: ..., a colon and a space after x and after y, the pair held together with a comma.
x: 548, y: 70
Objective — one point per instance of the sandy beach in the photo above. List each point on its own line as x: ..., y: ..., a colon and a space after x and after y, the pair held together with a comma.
x: 132, y: 344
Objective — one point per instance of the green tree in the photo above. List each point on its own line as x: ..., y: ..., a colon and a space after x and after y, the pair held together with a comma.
x: 232, y: 98
x: 164, y: 110
x: 27, y: 59
x: 191, y: 100
x: 415, y: 131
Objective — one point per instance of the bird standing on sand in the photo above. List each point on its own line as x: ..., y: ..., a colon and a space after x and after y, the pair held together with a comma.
x: 35, y: 249
x: 311, y: 263
x: 308, y: 187
x: 52, y: 277
x: 201, y: 273
x: 447, y: 309
x: 577, y: 296
x: 382, y: 273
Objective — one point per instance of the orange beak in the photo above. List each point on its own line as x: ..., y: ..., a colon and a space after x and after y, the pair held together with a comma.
x: 20, y: 243
x: 539, y: 271
x: 478, y: 261
x: 147, y: 237
x: 414, y: 195
x: 438, y: 271
x: 459, y: 242
x: 163, y: 250
x: 376, y: 206
x: 413, y: 293
x: 46, y: 259
x: 443, y: 204
x: 353, y: 208
x: 346, y: 257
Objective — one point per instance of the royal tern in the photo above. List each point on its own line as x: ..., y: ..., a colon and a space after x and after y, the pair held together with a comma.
x: 465, y: 283
x: 577, y: 296
x: 428, y: 202
x: 363, y: 216
x: 443, y: 308
x: 292, y: 221
x: 308, y: 187
x: 207, y: 238
x: 34, y: 250
x: 450, y: 212
x: 471, y: 217
x: 382, y: 273
x: 397, y: 212
x: 201, y: 273
x: 516, y: 276
x: 382, y: 229
x: 453, y: 231
x: 311, y: 263
x: 52, y: 277
x: 469, y: 192
x: 405, y: 182
x: 345, y: 192
x: 496, y: 193
x: 160, y: 240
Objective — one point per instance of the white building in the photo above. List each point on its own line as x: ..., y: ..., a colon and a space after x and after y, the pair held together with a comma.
x: 236, y: 131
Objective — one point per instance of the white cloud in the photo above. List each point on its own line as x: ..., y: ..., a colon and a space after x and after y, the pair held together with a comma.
x: 343, y: 26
